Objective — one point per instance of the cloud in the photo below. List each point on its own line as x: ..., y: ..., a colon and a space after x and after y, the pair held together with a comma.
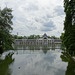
x: 48, y: 26
x: 36, y: 16
x: 59, y: 10
x: 31, y: 27
x: 49, y: 16
x: 30, y: 7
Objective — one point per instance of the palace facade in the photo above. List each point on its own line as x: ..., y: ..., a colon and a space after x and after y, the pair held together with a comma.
x: 43, y: 41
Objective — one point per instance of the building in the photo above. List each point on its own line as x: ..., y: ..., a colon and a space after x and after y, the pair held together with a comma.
x: 43, y: 41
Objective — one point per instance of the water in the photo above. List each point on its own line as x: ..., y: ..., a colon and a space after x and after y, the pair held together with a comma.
x: 36, y: 60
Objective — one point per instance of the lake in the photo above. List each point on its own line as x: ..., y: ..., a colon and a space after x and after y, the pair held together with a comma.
x: 36, y: 60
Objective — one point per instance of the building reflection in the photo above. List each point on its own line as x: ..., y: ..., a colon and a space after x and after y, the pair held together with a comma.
x: 37, y: 47
x: 44, y: 48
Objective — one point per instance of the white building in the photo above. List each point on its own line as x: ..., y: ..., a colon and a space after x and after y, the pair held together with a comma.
x: 43, y: 41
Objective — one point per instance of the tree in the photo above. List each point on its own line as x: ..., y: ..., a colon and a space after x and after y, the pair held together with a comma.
x: 71, y: 63
x: 54, y: 37
x: 15, y: 36
x: 34, y: 36
x: 5, y: 28
x: 62, y: 35
x: 31, y: 37
x: 69, y: 24
x: 4, y: 64
x: 20, y: 37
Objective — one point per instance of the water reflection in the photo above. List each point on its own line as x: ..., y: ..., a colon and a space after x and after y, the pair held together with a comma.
x: 4, y: 64
x: 37, y: 60
x: 37, y: 47
x: 44, y: 48
x: 71, y: 64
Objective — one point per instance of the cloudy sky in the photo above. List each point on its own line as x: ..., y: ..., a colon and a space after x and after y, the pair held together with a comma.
x: 36, y: 16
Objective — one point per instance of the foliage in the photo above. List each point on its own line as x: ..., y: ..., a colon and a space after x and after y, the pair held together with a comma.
x: 20, y: 37
x: 4, y: 64
x: 5, y: 28
x: 33, y: 36
x: 71, y: 63
x: 54, y: 37
x: 62, y: 35
x: 69, y: 24
x: 15, y: 36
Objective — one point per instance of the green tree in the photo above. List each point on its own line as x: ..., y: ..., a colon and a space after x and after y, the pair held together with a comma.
x: 37, y: 36
x: 20, y: 37
x: 34, y: 36
x: 5, y: 28
x: 71, y: 63
x: 62, y: 35
x: 4, y: 64
x: 31, y: 37
x: 69, y: 24
x: 54, y: 37
x: 15, y: 36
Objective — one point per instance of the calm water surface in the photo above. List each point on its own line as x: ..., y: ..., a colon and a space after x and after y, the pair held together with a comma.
x: 36, y: 60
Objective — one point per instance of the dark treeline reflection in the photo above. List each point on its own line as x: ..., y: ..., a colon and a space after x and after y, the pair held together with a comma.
x: 71, y: 63
x: 4, y: 64
x: 37, y: 47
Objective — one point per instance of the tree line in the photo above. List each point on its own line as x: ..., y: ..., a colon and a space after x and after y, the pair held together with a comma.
x: 33, y: 37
